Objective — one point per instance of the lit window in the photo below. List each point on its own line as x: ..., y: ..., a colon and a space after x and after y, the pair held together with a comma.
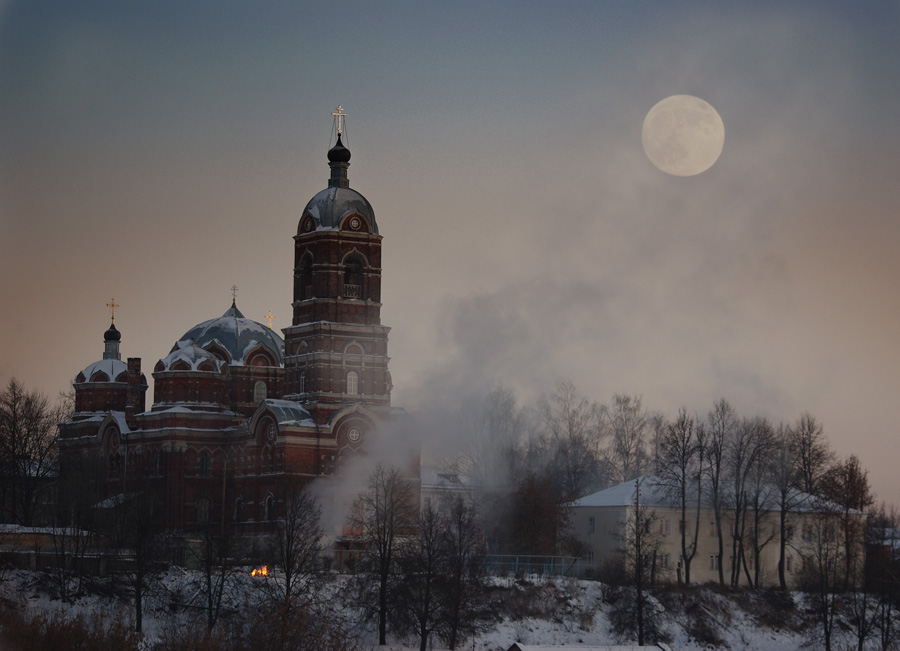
x: 352, y: 382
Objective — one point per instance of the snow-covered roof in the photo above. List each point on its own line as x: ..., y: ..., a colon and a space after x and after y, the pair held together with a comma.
x: 438, y: 478
x: 652, y: 494
x: 329, y: 206
x: 235, y: 334
x: 190, y: 353
x: 655, y: 494
x: 110, y: 368
x: 287, y: 412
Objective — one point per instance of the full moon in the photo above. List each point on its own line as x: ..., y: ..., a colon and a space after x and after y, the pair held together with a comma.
x: 683, y: 135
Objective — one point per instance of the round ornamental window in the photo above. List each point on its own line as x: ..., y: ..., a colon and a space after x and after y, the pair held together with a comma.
x: 271, y: 432
x: 354, y: 223
x: 353, y: 434
x: 309, y: 225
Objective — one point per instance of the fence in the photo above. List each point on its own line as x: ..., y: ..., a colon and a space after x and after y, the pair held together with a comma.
x: 516, y: 565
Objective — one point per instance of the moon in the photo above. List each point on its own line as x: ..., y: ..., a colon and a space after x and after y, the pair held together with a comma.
x: 683, y: 135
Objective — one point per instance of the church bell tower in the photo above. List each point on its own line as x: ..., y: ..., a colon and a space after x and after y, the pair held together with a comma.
x: 336, y: 347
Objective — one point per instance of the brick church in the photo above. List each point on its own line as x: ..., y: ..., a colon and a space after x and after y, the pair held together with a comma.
x: 239, y: 411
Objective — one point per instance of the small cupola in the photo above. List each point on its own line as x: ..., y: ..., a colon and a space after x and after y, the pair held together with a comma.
x: 111, y: 339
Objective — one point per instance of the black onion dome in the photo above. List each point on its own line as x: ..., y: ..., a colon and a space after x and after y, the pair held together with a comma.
x: 112, y: 334
x: 339, y: 153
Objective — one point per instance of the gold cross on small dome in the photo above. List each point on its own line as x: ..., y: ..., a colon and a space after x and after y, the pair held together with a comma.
x: 340, y: 115
x: 112, y: 305
x: 269, y: 316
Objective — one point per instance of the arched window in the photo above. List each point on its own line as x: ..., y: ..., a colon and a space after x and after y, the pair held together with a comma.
x: 259, y: 392
x: 269, y: 513
x: 203, y: 463
x: 353, y: 276
x: 352, y: 383
x: 204, y: 506
x: 302, y: 383
x: 239, y: 509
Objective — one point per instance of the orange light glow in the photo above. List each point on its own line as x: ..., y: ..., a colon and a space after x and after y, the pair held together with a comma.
x: 262, y: 572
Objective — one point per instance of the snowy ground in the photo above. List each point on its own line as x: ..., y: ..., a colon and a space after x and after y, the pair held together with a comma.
x: 533, y: 611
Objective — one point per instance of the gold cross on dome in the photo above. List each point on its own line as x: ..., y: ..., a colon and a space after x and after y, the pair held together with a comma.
x: 340, y: 115
x: 269, y: 316
x: 112, y: 305
x: 234, y: 289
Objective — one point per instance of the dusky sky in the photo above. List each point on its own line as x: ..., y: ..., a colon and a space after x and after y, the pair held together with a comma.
x: 160, y: 152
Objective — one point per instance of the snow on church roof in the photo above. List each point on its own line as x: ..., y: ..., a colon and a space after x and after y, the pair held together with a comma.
x: 192, y: 355
x: 237, y: 334
x: 330, y: 205
x: 112, y: 368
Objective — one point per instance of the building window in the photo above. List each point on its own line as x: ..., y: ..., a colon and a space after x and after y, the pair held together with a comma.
x: 714, y: 561
x: 591, y: 557
x: 259, y: 392
x: 353, y: 274
x: 203, y: 463
x: 664, y: 527
x: 269, y: 513
x: 664, y: 561
x: 788, y: 531
x: 789, y: 564
x: 352, y: 382
x: 303, y: 382
x: 712, y: 529
x: 239, y: 510
x: 680, y: 527
x: 590, y: 525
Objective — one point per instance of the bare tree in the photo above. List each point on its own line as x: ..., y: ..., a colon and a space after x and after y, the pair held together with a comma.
x: 73, y: 533
x: 28, y: 432
x: 680, y: 469
x: 492, y: 432
x: 783, y: 473
x: 742, y: 453
x: 626, y: 428
x: 385, y: 514
x: 721, y: 423
x: 760, y: 498
x: 846, y: 485
x: 423, y: 568
x: 883, y: 569
x: 572, y: 425
x: 463, y: 591
x: 633, y: 610
x: 822, y: 572
x: 138, y: 525
x: 814, y: 455
x: 297, y: 544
